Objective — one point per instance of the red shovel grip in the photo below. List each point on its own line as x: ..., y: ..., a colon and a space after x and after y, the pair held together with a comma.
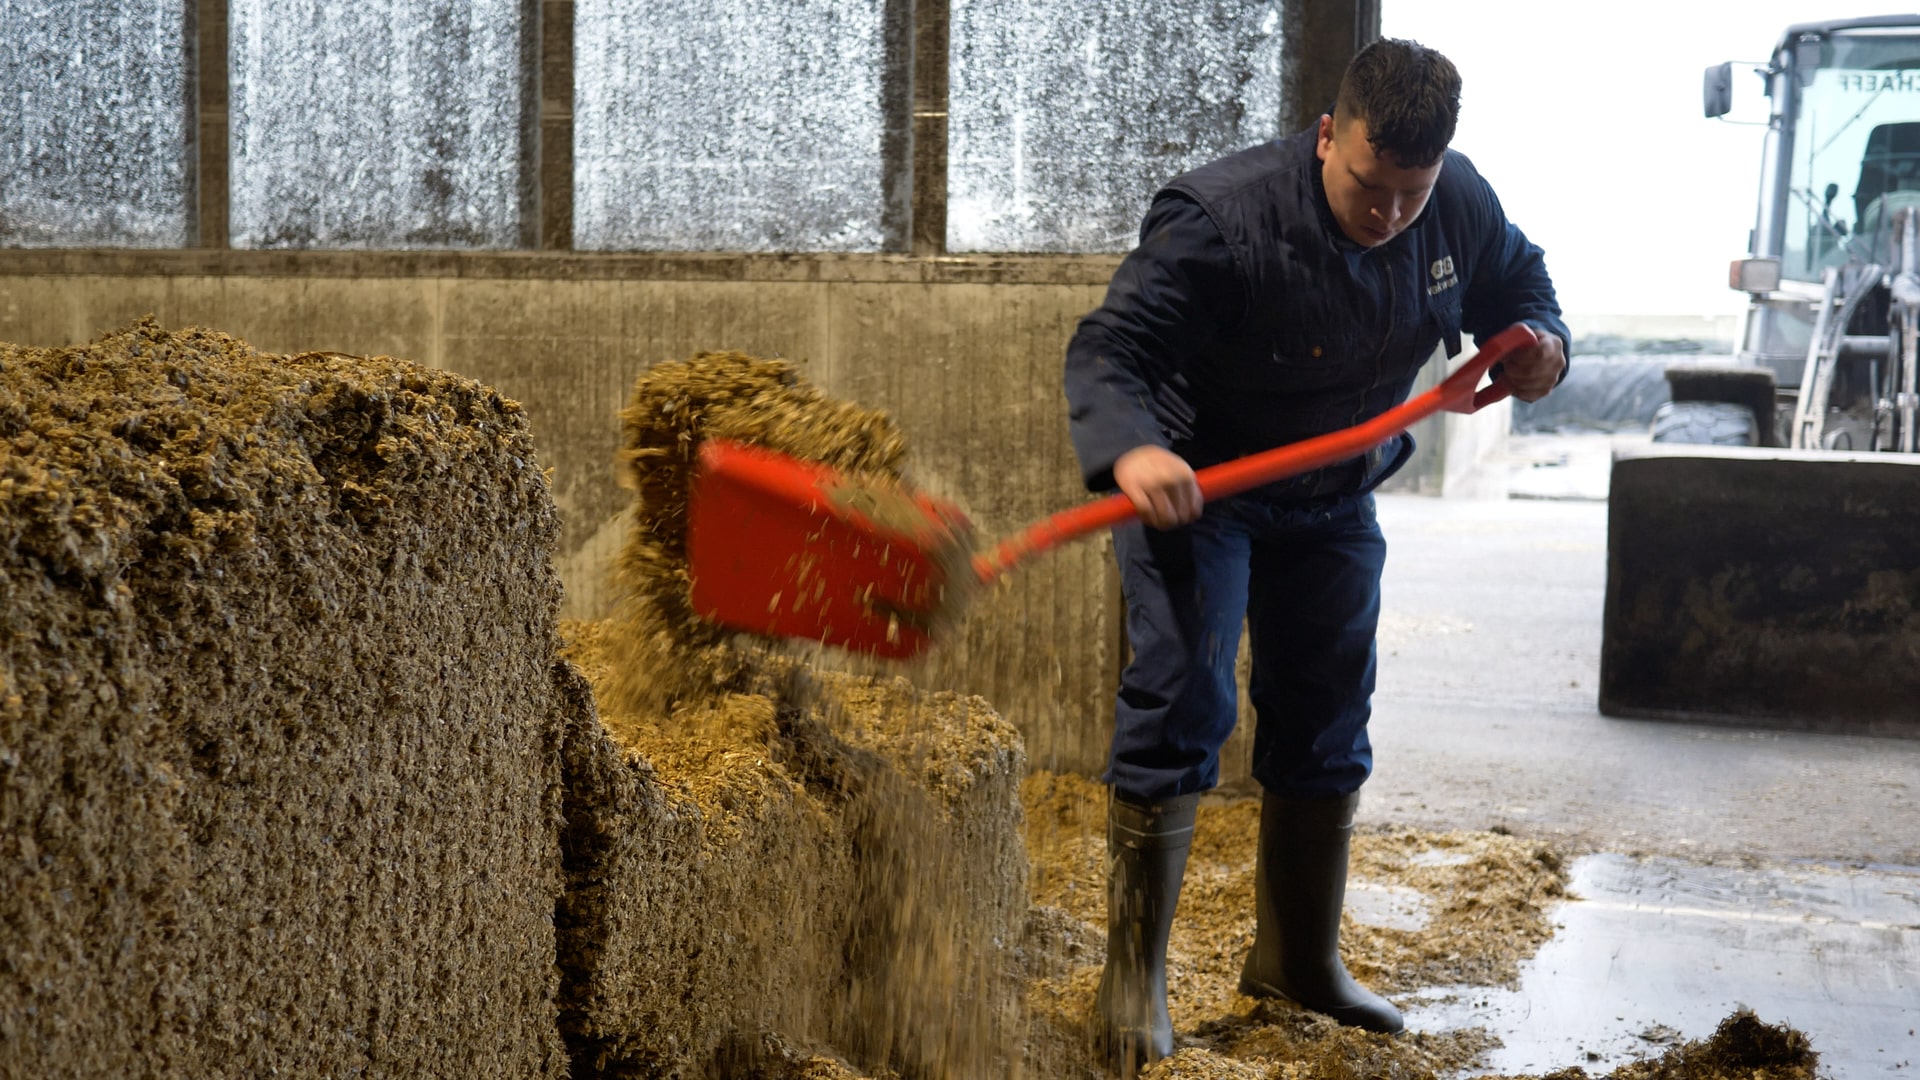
x: 1490, y: 393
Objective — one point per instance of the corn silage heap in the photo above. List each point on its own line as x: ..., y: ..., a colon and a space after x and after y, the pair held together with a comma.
x: 279, y: 717
x: 294, y: 779
x: 776, y: 864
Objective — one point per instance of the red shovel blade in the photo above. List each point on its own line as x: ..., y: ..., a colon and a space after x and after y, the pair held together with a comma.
x: 790, y: 548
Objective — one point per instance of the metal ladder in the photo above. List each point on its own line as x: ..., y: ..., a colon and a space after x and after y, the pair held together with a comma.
x: 1896, y: 400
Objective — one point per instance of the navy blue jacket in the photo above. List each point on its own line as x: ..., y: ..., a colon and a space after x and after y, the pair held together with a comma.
x: 1245, y: 319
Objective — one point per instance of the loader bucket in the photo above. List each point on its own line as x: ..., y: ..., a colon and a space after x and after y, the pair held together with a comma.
x: 1762, y: 587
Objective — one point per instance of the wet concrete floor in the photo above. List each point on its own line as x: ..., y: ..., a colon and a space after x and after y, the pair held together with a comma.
x: 1656, y: 951
x: 1718, y: 866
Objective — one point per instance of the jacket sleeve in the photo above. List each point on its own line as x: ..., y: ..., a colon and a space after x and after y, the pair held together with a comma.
x: 1510, y: 282
x: 1173, y: 294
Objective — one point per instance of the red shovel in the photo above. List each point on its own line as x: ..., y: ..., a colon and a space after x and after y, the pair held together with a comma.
x: 781, y: 546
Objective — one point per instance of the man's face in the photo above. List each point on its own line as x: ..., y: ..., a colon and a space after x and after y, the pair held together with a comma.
x: 1373, y: 197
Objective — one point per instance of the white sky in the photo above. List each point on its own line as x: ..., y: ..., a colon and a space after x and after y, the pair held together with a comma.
x: 1586, y: 118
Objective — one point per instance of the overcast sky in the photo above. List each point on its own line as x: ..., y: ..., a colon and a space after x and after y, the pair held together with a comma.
x: 1587, y: 120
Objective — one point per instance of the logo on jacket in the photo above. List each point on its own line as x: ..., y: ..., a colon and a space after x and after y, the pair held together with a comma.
x: 1443, y: 276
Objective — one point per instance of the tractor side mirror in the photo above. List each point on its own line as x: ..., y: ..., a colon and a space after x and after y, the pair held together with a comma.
x: 1717, y: 89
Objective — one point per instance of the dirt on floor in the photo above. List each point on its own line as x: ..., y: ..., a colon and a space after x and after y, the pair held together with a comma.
x: 1462, y: 909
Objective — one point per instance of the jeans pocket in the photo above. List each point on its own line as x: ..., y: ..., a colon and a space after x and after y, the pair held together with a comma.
x: 1365, y: 511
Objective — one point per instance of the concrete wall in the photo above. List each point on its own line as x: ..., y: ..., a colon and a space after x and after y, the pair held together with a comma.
x: 965, y: 352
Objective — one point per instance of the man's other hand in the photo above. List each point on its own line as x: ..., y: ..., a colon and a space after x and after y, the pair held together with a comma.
x: 1160, y: 485
x: 1535, y: 370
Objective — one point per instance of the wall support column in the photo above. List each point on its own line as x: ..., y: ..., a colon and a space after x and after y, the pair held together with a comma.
x: 930, y: 22
x: 208, y: 211
x: 556, y: 125
x: 1321, y: 36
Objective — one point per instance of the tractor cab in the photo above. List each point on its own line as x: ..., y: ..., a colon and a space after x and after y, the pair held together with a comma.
x: 1834, y: 259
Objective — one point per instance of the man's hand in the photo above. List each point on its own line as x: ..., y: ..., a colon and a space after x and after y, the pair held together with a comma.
x: 1533, y: 371
x: 1160, y: 484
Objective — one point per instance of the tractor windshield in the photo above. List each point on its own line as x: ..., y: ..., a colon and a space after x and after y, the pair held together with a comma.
x: 1856, y: 139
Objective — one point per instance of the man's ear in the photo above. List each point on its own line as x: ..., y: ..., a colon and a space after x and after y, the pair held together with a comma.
x: 1326, y: 137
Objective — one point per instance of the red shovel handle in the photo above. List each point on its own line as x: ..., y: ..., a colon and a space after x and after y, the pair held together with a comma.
x: 1456, y: 393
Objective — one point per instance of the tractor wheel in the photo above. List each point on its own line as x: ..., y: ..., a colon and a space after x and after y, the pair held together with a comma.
x: 1704, y: 423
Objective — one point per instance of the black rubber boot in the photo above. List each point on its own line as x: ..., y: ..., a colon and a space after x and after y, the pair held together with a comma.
x: 1147, y: 846
x: 1300, y: 886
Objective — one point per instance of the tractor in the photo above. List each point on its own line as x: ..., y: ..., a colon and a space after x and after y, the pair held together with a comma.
x: 1763, y: 551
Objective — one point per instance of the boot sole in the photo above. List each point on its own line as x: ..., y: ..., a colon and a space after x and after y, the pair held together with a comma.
x: 1351, y: 1016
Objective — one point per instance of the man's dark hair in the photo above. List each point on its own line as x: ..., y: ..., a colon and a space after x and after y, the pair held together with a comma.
x: 1408, y: 94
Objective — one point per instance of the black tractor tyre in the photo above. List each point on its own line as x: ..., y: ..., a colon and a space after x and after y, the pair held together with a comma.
x: 1704, y: 423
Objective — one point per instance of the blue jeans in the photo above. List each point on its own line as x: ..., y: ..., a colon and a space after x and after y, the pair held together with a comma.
x: 1306, y: 579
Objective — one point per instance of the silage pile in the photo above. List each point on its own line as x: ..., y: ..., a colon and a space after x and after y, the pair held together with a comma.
x: 775, y: 867
x: 675, y: 405
x: 279, y: 717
